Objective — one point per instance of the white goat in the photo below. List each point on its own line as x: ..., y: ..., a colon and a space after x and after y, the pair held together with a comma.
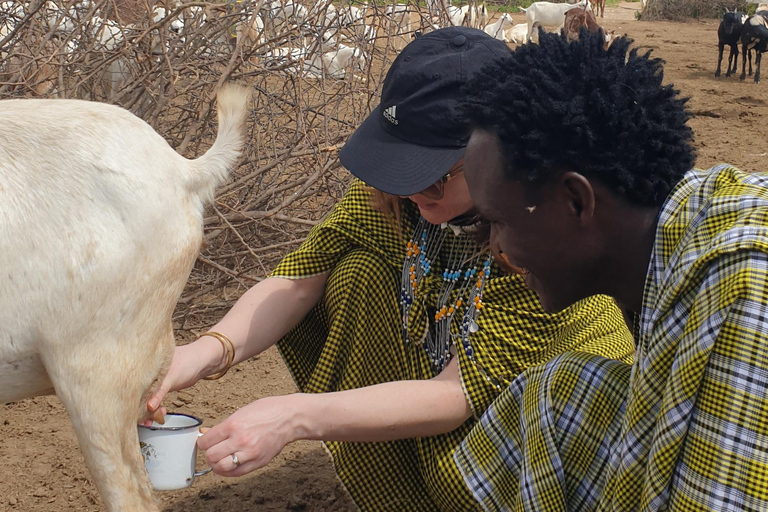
x: 398, y: 24
x: 517, y: 34
x: 102, y: 222
x: 334, y: 63
x: 350, y: 15
x: 251, y: 32
x: 548, y: 14
x: 279, y: 15
x: 499, y: 28
x: 468, y: 15
x: 337, y: 63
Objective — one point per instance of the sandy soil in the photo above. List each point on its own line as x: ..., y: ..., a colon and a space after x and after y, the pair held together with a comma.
x: 41, y: 468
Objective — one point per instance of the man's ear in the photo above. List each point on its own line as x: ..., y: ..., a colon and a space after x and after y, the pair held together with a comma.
x: 579, y: 195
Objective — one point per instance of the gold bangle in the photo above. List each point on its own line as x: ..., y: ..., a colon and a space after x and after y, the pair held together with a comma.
x: 229, y: 349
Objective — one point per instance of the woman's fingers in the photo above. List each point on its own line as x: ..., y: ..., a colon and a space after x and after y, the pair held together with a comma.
x: 256, y: 433
x: 213, y: 437
x: 156, y: 398
x: 158, y: 415
x: 220, y: 458
x: 229, y: 468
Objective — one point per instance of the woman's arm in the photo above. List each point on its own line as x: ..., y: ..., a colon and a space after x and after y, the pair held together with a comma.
x: 384, y: 412
x: 262, y: 316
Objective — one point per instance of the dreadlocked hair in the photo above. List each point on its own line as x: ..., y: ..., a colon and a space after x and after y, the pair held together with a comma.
x: 576, y: 106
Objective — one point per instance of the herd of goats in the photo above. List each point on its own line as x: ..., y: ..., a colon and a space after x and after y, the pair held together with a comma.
x: 43, y: 44
x: 751, y: 32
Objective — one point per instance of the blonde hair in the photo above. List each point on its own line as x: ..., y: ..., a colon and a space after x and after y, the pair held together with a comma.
x: 388, y: 204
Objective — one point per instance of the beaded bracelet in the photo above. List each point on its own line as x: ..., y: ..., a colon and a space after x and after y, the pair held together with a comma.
x: 229, y: 348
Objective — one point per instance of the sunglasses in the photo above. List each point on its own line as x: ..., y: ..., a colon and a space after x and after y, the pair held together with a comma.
x: 435, y: 191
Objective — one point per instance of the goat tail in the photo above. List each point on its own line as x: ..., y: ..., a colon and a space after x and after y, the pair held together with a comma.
x: 211, y: 169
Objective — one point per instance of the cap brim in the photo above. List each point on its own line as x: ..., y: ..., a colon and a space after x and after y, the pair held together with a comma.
x: 393, y: 165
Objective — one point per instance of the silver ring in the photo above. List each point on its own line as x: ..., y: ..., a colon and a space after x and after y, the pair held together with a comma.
x: 234, y: 460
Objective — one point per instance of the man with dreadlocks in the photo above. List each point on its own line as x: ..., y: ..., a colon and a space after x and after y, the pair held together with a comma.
x: 580, y: 159
x: 395, y: 324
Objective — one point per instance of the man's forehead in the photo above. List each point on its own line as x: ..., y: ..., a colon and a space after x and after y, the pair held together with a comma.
x: 486, y: 176
x: 491, y: 193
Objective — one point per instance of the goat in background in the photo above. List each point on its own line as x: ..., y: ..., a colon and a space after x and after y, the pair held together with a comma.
x: 729, y: 33
x: 754, y: 36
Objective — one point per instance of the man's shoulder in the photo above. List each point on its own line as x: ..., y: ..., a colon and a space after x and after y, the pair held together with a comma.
x: 715, y: 205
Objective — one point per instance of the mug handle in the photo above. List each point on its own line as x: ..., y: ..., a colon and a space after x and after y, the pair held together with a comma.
x: 205, y: 470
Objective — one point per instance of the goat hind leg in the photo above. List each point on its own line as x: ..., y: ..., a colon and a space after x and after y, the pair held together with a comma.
x: 744, y: 52
x: 720, y: 60
x: 102, y: 384
x: 734, y: 55
x: 758, y: 58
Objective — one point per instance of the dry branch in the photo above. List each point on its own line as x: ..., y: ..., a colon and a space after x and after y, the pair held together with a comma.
x: 289, y: 177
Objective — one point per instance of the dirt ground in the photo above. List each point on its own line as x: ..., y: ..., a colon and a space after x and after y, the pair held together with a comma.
x: 41, y: 468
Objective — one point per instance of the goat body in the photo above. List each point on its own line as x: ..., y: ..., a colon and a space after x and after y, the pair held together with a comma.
x: 250, y: 33
x: 547, y: 14
x: 102, y: 222
x: 729, y: 33
x: 336, y: 63
x: 576, y: 19
x: 499, y: 28
x: 470, y: 15
x: 581, y: 18
x: 518, y: 34
x: 754, y: 36
x: 398, y: 24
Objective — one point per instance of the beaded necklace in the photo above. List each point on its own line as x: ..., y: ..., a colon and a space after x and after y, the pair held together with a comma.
x: 467, y: 271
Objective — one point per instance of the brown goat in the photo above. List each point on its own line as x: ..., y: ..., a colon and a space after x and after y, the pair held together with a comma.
x: 577, y: 18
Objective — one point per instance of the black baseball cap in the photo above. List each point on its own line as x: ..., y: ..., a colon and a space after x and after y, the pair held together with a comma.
x: 415, y: 135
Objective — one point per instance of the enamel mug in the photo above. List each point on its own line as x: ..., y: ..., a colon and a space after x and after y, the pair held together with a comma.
x: 170, y: 451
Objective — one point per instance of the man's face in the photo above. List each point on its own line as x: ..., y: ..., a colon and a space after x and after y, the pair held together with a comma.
x: 534, y: 227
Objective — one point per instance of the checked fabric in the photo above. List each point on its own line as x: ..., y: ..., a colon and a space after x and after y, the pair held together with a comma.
x: 353, y: 338
x: 683, y: 429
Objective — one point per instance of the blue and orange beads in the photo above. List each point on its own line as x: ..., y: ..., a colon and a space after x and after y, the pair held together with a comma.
x: 416, y: 265
x: 475, y: 304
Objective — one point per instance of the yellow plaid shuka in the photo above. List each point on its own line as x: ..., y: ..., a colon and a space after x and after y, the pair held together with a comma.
x: 353, y: 338
x: 687, y: 428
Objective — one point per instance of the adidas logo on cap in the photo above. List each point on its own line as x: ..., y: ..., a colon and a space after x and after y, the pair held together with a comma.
x: 389, y: 114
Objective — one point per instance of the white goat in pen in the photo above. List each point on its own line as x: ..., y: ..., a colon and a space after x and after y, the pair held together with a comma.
x: 470, y: 15
x: 548, y: 14
x: 101, y: 222
x: 398, y: 25
x: 500, y: 28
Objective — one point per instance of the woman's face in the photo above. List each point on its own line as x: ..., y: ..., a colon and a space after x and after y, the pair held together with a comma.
x: 455, y: 201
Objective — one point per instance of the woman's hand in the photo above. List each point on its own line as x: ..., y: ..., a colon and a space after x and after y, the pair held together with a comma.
x: 184, y: 372
x: 256, y: 433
